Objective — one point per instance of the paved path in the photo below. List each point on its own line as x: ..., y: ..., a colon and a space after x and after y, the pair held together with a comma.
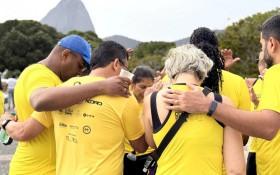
x: 6, y: 153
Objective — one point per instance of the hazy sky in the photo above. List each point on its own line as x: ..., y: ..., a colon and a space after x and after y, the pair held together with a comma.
x: 146, y: 20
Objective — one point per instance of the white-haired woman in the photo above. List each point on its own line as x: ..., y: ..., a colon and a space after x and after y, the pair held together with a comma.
x: 202, y: 145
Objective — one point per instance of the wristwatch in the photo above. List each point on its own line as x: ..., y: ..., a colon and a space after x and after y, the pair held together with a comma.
x: 212, y: 108
x: 4, y: 123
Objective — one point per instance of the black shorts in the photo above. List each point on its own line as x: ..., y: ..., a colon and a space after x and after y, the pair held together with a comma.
x: 251, y: 168
x: 134, y: 167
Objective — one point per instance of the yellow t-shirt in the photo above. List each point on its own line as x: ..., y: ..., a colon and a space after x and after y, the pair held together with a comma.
x: 195, y: 149
x: 2, y: 98
x: 164, y: 79
x: 258, y: 90
x: 235, y: 88
x: 127, y: 146
x: 90, y: 135
x: 268, y: 152
x: 36, y: 156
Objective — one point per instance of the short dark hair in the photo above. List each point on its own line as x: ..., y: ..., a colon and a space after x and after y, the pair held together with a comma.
x: 142, y: 72
x: 271, y: 28
x: 107, y: 52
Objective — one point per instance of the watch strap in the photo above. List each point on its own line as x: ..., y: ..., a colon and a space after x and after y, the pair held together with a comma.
x: 5, y: 123
x: 212, y: 108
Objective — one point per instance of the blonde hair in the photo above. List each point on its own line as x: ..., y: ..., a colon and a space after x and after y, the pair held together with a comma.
x: 189, y: 59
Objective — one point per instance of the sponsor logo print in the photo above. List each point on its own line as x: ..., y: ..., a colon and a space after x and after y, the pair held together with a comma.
x: 62, y: 125
x: 177, y: 114
x: 71, y: 139
x: 74, y: 127
x: 86, y: 129
x: 90, y: 101
x: 87, y: 115
x: 77, y: 83
x: 68, y: 111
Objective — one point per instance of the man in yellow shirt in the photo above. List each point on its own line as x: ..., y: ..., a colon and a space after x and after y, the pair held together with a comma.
x: 90, y: 135
x: 264, y: 123
x: 35, y: 90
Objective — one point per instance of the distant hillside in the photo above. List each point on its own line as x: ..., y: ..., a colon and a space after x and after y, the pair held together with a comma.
x: 125, y: 41
x: 182, y: 41
x: 69, y: 15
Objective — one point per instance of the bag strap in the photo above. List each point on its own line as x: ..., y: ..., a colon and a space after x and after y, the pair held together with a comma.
x: 155, y: 117
x: 174, y: 129
x: 171, y: 133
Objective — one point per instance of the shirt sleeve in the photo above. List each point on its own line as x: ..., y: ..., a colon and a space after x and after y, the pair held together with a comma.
x: 39, y: 80
x: 45, y: 118
x: 270, y: 97
x: 244, y: 100
x: 133, y: 126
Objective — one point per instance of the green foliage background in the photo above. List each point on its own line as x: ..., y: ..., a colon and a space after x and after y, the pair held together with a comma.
x: 243, y: 38
x: 150, y: 54
x: 26, y: 42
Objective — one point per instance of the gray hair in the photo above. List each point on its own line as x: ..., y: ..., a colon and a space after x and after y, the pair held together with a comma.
x: 189, y: 59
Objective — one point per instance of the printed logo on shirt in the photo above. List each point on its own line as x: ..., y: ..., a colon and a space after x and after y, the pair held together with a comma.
x: 71, y: 138
x: 73, y: 127
x: 177, y: 114
x: 62, y: 125
x: 86, y: 129
x: 87, y: 115
x: 77, y: 83
x: 90, y: 101
x: 68, y: 111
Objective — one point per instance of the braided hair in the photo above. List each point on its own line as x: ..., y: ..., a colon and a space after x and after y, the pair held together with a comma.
x: 206, y: 40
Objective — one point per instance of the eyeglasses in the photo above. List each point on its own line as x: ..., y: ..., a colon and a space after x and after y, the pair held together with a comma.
x: 82, y: 65
x: 126, y: 68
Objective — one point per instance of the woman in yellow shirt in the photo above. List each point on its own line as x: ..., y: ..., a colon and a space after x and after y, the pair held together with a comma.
x: 201, y: 145
x: 142, y: 79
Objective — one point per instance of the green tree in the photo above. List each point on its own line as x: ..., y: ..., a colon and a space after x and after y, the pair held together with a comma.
x: 25, y: 42
x: 150, y: 54
x: 243, y: 38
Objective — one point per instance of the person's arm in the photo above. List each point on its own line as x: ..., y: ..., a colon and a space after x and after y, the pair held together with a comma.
x: 139, y: 144
x: 264, y: 124
x: 233, y: 152
x: 55, y: 98
x: 147, y: 118
x: 23, y: 131
x: 133, y: 126
x: 233, y: 148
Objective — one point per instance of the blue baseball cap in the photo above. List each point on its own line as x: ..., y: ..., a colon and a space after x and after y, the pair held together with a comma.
x: 78, y: 45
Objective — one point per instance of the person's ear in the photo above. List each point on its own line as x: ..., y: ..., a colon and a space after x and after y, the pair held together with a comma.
x: 115, y: 64
x: 65, y: 53
x: 273, y: 44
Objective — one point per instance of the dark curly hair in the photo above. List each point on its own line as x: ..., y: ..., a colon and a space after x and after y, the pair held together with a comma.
x: 206, y: 40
